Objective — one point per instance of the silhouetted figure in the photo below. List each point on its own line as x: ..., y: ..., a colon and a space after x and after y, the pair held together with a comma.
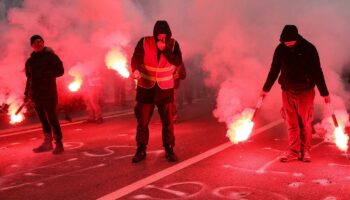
x: 42, y: 68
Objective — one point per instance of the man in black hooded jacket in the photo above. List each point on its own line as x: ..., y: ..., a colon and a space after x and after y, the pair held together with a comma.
x: 41, y: 70
x: 153, y: 64
x: 297, y: 62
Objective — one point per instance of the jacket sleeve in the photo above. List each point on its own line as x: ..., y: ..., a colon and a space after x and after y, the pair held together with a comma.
x: 28, y: 75
x: 316, y: 73
x: 182, y: 71
x: 137, y: 57
x: 56, y: 67
x: 274, y: 72
x: 173, y: 56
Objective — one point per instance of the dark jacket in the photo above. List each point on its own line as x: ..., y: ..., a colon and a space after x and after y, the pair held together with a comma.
x: 299, y: 68
x: 41, y: 70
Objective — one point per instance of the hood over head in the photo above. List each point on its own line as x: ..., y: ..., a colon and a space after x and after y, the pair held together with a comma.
x: 289, y: 33
x: 162, y: 26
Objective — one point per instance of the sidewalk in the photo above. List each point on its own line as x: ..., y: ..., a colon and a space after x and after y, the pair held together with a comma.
x: 32, y: 122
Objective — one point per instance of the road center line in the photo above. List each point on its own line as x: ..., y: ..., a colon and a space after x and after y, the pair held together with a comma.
x: 168, y: 171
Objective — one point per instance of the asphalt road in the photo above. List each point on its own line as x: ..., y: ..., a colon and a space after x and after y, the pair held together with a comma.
x: 97, y: 163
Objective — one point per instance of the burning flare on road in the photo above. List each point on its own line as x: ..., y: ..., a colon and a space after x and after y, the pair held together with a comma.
x: 117, y: 61
x: 242, y: 126
x: 340, y: 138
x: 16, y: 116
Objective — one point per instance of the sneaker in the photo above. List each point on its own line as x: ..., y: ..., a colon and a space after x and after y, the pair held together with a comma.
x: 170, y: 155
x: 288, y: 157
x: 58, y: 149
x: 44, y: 147
x: 306, y: 157
x: 140, y: 154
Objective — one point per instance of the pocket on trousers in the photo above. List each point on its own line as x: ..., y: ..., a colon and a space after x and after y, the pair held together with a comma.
x: 310, y: 114
x: 283, y: 113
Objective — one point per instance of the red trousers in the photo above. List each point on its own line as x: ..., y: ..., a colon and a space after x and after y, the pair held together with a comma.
x: 298, y: 112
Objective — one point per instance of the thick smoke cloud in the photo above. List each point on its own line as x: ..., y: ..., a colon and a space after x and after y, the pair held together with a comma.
x: 81, y: 32
x: 235, y: 39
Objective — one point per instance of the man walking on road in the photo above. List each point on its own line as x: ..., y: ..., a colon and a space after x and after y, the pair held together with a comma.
x: 297, y: 62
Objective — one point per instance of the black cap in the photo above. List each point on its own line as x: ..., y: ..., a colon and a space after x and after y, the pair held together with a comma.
x: 162, y: 27
x: 289, y: 33
x: 35, y: 37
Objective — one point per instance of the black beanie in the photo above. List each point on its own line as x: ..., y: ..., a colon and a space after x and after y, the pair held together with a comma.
x: 35, y: 37
x: 289, y: 33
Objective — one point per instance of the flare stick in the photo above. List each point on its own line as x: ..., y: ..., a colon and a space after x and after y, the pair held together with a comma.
x: 21, y: 107
x: 335, y: 121
x: 257, y: 107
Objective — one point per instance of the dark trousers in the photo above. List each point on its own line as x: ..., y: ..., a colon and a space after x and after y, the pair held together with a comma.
x: 144, y: 112
x: 298, y: 113
x: 47, y: 113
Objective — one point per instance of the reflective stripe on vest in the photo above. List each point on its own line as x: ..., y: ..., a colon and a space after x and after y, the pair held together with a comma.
x: 154, y: 71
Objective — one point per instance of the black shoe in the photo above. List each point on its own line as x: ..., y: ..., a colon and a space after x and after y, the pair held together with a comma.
x: 44, y: 147
x: 170, y: 155
x: 140, y: 154
x: 58, y: 149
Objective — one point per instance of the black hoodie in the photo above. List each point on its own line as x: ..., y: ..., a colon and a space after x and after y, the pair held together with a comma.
x: 41, y: 69
x: 299, y: 68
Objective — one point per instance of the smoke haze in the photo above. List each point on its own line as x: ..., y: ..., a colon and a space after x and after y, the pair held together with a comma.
x: 234, y: 39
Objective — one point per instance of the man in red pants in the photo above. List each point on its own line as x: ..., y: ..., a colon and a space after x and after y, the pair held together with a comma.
x: 153, y: 64
x: 297, y: 62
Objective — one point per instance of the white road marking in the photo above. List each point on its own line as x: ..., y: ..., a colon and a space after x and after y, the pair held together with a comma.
x: 40, y: 182
x: 263, y: 168
x: 108, y: 150
x: 168, y: 171
x: 41, y: 167
x: 336, y: 164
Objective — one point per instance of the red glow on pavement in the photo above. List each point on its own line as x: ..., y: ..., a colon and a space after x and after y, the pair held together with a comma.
x: 117, y: 61
x: 241, y: 127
